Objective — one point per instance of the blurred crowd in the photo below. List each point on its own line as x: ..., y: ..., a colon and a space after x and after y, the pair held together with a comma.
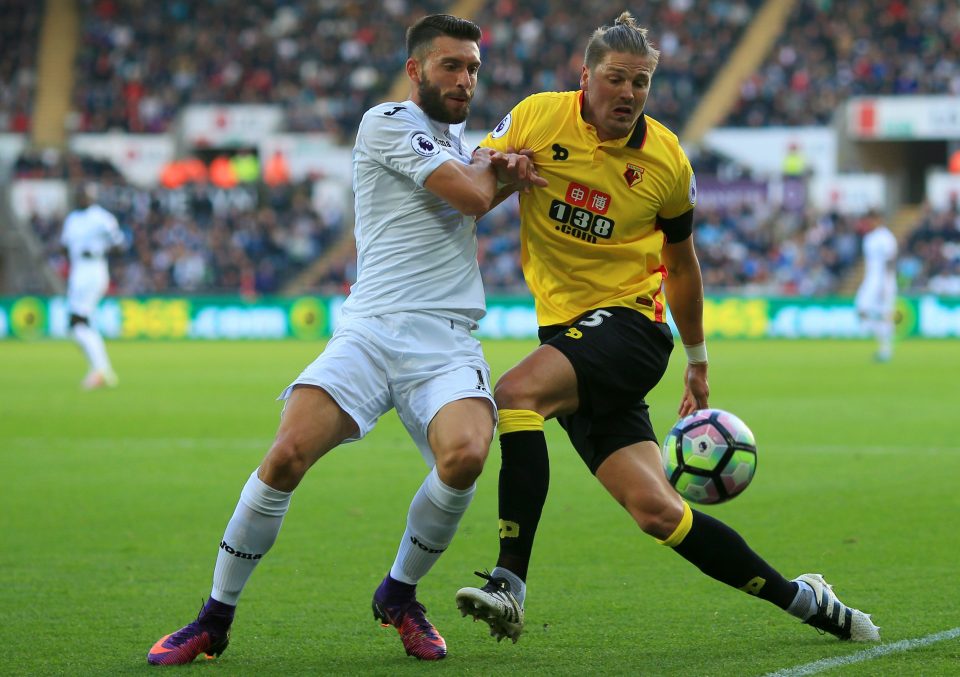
x: 249, y: 239
x: 50, y: 163
x: 19, y: 31
x: 538, y: 46
x: 931, y: 259
x: 254, y: 239
x: 140, y: 62
x: 836, y: 49
x: 326, y: 63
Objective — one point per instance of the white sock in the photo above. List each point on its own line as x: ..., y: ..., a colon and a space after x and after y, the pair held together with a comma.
x: 804, y: 605
x: 249, y: 535
x: 93, y: 347
x: 517, y: 586
x: 432, y: 521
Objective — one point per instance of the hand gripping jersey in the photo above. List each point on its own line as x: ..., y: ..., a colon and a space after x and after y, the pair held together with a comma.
x: 593, y: 236
x: 414, y: 250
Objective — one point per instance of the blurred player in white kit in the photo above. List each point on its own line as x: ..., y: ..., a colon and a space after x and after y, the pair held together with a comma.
x: 877, y: 294
x: 90, y: 232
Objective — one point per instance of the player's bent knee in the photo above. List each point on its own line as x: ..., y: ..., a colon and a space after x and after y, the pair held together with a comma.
x: 656, y: 516
x: 461, y: 466
x: 513, y: 393
x: 288, y: 460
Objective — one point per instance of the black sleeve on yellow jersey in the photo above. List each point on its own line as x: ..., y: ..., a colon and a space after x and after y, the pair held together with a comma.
x: 678, y: 228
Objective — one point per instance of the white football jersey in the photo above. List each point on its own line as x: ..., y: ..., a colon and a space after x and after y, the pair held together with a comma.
x: 879, y: 249
x: 414, y: 250
x: 89, y: 233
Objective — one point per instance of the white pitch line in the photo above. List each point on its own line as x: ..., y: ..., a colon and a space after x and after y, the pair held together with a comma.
x: 865, y: 655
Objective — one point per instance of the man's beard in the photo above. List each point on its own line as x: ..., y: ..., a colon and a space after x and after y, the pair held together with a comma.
x: 432, y: 103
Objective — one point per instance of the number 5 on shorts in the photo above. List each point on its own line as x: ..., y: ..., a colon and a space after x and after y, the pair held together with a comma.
x: 593, y: 321
x: 595, y: 318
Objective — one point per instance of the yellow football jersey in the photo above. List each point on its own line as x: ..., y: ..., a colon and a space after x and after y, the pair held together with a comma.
x: 591, y: 238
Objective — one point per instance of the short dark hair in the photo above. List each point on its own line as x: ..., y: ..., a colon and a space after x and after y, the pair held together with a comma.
x: 626, y: 35
x: 433, y: 26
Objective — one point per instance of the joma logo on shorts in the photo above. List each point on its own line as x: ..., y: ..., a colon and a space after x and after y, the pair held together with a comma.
x: 237, y: 553
x: 433, y: 551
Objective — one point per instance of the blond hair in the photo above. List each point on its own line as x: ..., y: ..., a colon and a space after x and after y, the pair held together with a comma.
x: 625, y: 35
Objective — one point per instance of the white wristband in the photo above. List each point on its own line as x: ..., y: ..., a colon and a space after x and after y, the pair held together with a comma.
x: 696, y: 354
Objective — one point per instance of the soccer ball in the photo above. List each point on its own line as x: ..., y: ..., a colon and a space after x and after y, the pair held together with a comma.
x: 710, y: 456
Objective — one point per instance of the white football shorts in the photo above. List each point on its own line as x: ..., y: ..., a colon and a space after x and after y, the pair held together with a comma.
x: 876, y: 297
x: 415, y: 362
x: 86, y: 286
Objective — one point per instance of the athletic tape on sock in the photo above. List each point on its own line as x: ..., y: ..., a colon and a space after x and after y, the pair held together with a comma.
x: 686, y: 522
x: 517, y: 420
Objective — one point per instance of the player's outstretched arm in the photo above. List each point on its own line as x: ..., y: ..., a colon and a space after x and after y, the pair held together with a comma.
x: 476, y: 188
x: 684, y: 288
x: 470, y: 189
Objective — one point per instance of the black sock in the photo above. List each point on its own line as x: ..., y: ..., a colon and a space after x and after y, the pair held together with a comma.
x: 721, y: 553
x: 524, y: 478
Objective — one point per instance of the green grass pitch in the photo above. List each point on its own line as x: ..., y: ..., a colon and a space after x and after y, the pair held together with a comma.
x: 113, y: 503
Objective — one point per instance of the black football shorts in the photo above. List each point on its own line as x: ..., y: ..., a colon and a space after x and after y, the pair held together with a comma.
x: 619, y: 355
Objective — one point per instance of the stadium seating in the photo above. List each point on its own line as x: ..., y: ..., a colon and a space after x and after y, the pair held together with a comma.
x: 832, y: 51
x: 930, y: 261
x: 19, y: 27
x: 139, y: 63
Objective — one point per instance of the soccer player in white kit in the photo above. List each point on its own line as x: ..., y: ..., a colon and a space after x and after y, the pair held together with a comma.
x: 90, y: 232
x: 877, y: 294
x: 404, y: 341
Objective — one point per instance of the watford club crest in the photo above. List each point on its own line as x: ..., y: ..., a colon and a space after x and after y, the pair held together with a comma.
x: 633, y: 174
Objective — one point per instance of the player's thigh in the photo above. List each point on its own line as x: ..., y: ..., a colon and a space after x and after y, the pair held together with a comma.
x: 634, y: 477
x: 544, y: 381
x: 443, y: 374
x: 618, y: 356
x: 351, y: 371
x: 871, y: 298
x: 598, y: 435
x: 312, y: 423
x: 85, y: 289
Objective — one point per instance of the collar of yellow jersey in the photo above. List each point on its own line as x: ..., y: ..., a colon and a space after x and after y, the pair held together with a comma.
x: 637, y: 137
x: 639, y: 134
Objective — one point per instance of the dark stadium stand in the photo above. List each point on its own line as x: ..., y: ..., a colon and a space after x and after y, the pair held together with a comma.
x: 140, y: 62
x: 19, y: 27
x: 834, y: 50
x: 186, y: 241
x: 930, y: 260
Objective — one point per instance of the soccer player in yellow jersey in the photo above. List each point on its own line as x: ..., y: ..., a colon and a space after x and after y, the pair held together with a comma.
x: 603, y: 244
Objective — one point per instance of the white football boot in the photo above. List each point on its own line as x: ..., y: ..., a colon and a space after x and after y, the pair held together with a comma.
x: 835, y: 617
x: 495, y: 605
